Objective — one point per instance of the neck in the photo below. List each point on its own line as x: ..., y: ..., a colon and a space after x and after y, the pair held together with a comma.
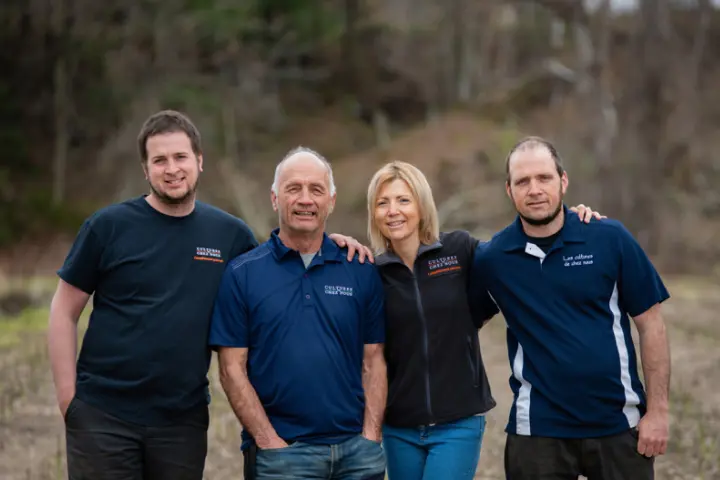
x: 407, y: 249
x: 172, y: 209
x: 540, y: 231
x: 303, y: 242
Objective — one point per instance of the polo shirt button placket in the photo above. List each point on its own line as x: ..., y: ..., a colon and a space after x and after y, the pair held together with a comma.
x: 307, y: 289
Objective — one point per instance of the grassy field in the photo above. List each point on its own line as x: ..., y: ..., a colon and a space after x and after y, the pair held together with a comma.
x: 31, y: 430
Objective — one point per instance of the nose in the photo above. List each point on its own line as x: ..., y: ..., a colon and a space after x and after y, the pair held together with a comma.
x: 534, y: 188
x: 305, y: 198
x: 172, y: 167
x: 392, y: 209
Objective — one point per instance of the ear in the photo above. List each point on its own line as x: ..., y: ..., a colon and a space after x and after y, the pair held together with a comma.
x: 507, y: 189
x: 145, y: 169
x: 273, y: 199
x: 332, y: 203
x: 564, y: 182
x: 200, y: 162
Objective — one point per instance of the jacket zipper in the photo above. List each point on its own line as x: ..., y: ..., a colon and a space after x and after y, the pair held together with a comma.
x: 474, y: 367
x: 426, y: 348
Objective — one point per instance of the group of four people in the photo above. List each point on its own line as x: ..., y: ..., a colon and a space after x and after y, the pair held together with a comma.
x: 340, y: 368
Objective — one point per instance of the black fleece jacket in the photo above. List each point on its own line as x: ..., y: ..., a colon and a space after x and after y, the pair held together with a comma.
x: 435, y: 368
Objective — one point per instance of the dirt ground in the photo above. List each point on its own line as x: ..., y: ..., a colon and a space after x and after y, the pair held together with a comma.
x: 32, y: 440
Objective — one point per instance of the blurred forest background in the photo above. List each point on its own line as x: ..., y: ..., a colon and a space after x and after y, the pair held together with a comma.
x: 629, y: 90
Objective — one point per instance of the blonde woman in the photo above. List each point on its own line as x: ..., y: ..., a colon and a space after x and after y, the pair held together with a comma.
x: 438, y: 389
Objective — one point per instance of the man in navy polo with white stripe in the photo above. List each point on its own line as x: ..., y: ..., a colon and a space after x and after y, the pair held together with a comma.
x: 300, y: 333
x: 567, y: 291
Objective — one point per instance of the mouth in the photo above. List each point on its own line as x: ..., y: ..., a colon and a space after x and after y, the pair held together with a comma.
x: 305, y: 214
x: 175, y: 182
x: 396, y: 224
x: 537, y: 204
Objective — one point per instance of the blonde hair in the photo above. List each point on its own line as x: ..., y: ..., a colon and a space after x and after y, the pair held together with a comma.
x: 429, y: 228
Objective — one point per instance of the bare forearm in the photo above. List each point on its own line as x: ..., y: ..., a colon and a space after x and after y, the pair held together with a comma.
x: 375, y: 386
x: 246, y: 405
x: 655, y: 353
x: 62, y: 349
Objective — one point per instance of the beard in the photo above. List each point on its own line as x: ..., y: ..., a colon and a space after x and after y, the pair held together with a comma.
x: 168, y: 200
x: 538, y: 222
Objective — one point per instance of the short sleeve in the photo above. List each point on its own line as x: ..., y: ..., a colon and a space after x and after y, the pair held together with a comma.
x: 374, y: 326
x: 639, y: 284
x: 81, y: 267
x: 482, y: 306
x: 230, y: 326
x: 244, y: 241
x: 471, y: 244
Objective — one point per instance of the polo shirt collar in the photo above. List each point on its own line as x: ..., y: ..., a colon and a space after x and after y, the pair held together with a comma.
x: 329, y: 251
x: 571, y: 232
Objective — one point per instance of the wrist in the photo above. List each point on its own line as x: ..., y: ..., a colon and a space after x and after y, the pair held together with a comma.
x: 658, y: 408
x: 66, y: 391
x: 372, y: 433
x: 267, y: 441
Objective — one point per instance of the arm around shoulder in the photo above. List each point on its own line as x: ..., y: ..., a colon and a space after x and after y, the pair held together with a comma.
x: 481, y: 304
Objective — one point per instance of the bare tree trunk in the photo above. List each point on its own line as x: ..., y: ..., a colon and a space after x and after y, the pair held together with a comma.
x: 487, y: 40
x: 230, y: 137
x: 463, y: 55
x: 61, y: 104
x: 653, y: 111
x: 688, y: 105
x: 506, y: 39
x: 605, y: 114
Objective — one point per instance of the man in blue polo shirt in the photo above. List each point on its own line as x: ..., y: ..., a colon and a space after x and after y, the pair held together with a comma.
x: 567, y: 290
x: 299, y: 333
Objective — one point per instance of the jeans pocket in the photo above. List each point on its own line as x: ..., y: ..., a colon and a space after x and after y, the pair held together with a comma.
x: 371, y: 442
x: 370, y: 448
x: 291, y: 446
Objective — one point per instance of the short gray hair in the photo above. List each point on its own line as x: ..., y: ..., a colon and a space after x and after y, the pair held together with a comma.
x: 295, y: 151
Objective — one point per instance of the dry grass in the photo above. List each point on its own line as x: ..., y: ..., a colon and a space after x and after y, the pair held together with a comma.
x: 31, y: 430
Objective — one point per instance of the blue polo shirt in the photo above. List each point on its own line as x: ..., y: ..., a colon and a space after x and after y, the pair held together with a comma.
x: 574, y: 367
x: 305, y: 331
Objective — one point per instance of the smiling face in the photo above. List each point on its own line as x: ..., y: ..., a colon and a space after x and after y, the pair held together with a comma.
x: 397, y: 212
x: 171, y: 168
x: 303, y: 199
x: 535, y: 186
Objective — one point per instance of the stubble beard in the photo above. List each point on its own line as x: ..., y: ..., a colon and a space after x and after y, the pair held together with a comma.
x: 188, y: 197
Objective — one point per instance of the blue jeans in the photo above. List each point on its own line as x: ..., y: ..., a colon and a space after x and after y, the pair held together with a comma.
x: 354, y: 459
x: 436, y: 452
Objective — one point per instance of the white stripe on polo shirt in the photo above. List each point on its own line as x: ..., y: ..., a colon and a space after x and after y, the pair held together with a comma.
x: 631, y: 397
x: 522, y: 405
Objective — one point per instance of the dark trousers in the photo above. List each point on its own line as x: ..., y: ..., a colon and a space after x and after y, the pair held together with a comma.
x: 103, y: 447
x: 613, y: 457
